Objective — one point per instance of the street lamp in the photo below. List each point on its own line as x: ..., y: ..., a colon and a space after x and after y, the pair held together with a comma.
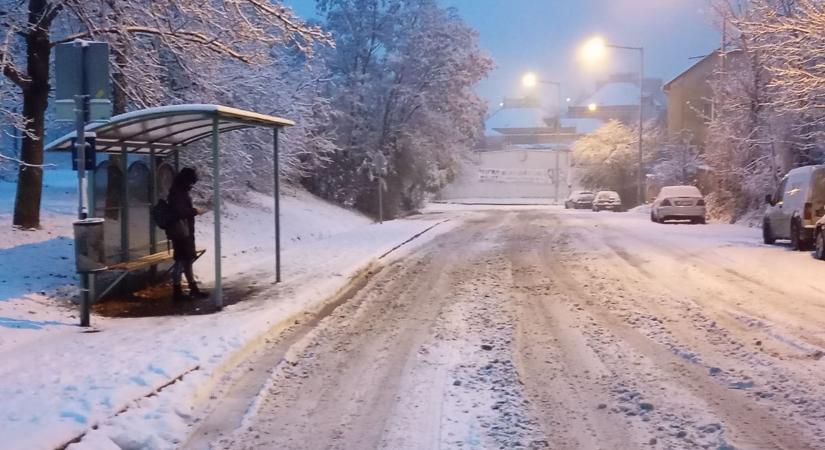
x: 530, y: 80
x: 592, y: 107
x: 595, y: 49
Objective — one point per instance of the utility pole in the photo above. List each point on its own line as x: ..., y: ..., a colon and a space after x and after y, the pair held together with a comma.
x: 640, y: 194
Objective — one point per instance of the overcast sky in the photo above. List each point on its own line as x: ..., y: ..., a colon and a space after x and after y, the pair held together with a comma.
x: 544, y: 35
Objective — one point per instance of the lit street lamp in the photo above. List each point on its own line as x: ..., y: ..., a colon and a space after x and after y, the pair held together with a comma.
x: 595, y: 50
x: 592, y: 107
x: 530, y: 80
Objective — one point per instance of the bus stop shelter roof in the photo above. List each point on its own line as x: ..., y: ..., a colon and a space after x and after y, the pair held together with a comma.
x: 167, y: 128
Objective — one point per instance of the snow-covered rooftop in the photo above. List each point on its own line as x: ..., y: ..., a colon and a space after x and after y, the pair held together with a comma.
x: 515, y: 117
x: 583, y: 125
x: 615, y: 94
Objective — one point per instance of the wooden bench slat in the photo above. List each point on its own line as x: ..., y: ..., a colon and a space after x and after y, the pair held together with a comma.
x: 147, y: 261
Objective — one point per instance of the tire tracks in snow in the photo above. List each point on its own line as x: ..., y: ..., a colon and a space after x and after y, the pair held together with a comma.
x: 629, y: 307
x: 376, y: 373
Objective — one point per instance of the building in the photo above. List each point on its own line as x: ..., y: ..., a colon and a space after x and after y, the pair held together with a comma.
x: 617, y: 98
x: 524, y: 154
x: 690, y: 97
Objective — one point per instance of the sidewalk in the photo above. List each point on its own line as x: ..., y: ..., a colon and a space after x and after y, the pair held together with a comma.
x: 60, y: 380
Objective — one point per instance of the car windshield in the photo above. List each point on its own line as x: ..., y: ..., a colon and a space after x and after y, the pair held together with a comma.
x: 608, y: 196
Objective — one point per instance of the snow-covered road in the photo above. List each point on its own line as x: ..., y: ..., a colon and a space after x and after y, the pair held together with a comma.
x: 533, y: 327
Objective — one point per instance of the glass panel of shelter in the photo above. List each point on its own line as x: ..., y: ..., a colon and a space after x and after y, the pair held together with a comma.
x: 108, y: 203
x: 163, y: 180
x: 139, y: 179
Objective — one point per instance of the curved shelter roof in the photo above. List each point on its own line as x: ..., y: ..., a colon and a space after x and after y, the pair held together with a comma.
x: 168, y: 128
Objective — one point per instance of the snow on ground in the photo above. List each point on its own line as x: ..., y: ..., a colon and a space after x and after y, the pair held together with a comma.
x: 59, y: 380
x: 538, y: 327
x: 504, y: 201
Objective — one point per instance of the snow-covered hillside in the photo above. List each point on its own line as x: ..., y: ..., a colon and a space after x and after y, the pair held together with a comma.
x: 61, y: 380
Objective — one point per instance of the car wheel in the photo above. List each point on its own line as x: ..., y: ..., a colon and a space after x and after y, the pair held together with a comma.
x: 767, y: 234
x: 797, y: 243
x: 820, y: 244
x: 652, y: 217
x: 701, y: 221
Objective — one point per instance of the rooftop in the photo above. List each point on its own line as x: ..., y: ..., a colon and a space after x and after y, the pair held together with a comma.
x: 167, y: 128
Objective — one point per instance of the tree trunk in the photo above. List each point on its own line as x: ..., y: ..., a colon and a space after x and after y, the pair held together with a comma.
x: 35, y: 101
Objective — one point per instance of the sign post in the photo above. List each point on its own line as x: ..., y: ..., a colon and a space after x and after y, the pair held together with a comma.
x: 83, y: 92
x: 379, y: 169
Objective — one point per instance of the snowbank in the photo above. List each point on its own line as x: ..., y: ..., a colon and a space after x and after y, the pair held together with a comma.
x: 60, y: 380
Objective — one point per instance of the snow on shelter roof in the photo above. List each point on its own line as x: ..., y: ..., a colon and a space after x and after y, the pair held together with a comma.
x: 167, y: 128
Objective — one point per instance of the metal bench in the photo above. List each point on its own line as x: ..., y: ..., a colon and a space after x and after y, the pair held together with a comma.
x: 141, y: 263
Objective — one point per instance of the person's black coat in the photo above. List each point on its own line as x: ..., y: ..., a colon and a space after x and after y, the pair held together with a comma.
x: 182, y: 231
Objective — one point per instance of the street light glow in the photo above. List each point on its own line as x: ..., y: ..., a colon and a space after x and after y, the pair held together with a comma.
x: 529, y: 80
x: 594, y: 50
x: 592, y: 107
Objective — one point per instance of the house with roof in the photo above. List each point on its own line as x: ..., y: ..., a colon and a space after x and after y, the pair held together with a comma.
x: 690, y: 97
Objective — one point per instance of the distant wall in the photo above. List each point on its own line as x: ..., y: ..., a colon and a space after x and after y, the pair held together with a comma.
x: 513, y: 174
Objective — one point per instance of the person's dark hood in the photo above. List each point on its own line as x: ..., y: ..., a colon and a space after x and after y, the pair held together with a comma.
x: 185, y: 179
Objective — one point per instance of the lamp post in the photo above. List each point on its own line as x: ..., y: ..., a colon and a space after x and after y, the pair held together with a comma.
x: 593, y: 50
x: 530, y: 80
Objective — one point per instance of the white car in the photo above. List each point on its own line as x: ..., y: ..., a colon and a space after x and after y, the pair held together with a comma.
x: 579, y: 199
x: 795, y: 208
x: 679, y: 203
x: 608, y: 200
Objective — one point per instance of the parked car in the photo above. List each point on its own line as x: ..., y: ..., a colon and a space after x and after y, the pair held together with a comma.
x: 609, y: 200
x: 819, y: 239
x: 679, y: 203
x: 796, y: 207
x: 579, y: 200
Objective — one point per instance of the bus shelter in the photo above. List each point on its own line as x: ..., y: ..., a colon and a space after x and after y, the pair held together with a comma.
x: 160, y: 134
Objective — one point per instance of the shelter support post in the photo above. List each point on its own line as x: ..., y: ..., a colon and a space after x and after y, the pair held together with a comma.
x: 90, y: 278
x: 216, y: 206
x: 153, y: 198
x: 124, y: 204
x: 276, y: 169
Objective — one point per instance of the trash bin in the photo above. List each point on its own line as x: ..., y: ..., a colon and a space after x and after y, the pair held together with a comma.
x: 88, y: 245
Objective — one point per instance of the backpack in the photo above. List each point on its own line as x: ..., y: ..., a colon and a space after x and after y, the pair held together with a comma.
x: 162, y: 214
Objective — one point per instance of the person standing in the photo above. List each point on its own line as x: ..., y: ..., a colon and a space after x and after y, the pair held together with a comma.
x: 182, y: 232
